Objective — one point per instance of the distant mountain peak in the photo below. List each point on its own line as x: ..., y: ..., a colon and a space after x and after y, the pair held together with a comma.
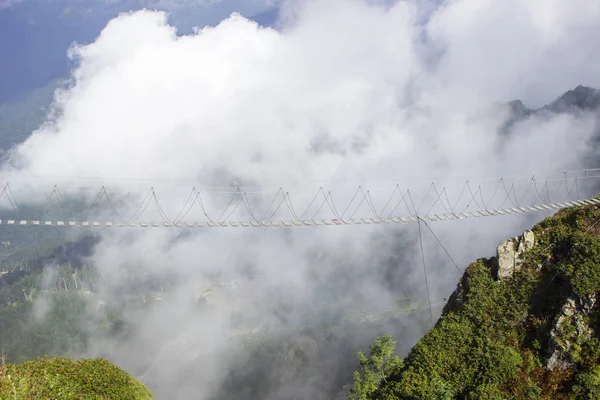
x: 518, y: 109
x: 582, y: 97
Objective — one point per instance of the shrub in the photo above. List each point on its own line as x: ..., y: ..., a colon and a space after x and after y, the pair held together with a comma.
x: 61, y: 378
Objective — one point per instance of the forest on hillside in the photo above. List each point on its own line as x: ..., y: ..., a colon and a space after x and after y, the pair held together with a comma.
x: 52, y: 303
x: 532, y: 335
x: 491, y: 342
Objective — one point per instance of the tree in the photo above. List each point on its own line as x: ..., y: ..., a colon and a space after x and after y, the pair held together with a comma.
x: 375, y: 369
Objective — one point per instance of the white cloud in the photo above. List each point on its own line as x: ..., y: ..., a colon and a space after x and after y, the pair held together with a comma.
x: 344, y: 90
x: 236, y: 93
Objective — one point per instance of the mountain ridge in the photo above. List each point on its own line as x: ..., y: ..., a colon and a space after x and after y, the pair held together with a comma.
x: 522, y: 324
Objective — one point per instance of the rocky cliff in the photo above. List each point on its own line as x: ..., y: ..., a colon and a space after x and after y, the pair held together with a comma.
x: 522, y: 324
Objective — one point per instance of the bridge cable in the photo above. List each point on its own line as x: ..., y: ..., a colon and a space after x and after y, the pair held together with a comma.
x: 473, y: 199
x: 351, y: 201
x: 262, y: 217
x: 335, y: 211
x: 408, y: 206
x: 246, y: 203
x: 228, y: 204
x: 445, y: 250
x: 424, y: 197
x: 94, y: 204
x: 278, y: 207
x: 373, y: 205
x: 493, y: 195
x: 319, y: 209
x: 435, y: 202
x: 5, y: 190
x: 440, y: 198
x: 58, y: 195
x: 481, y: 197
x: 397, y: 204
x: 548, y: 193
x: 47, y: 198
x: 365, y: 194
x: 311, y: 203
x: 332, y: 206
x: 191, y: 206
x: 52, y: 194
x: 507, y: 197
x: 514, y: 192
x: 141, y: 207
x: 358, y: 206
x: 425, y: 271
x: 110, y: 203
x: 388, y: 202
x: 184, y: 207
x: 160, y: 210
x: 10, y: 194
x: 233, y: 210
x: 569, y: 191
x: 524, y: 197
x: 412, y: 203
x: 290, y: 206
x: 559, y: 185
x: 542, y: 201
x: 459, y: 197
x: 199, y: 200
x: 423, y: 259
x: 507, y: 192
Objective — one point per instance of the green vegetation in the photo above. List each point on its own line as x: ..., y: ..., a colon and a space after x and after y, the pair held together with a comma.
x: 59, y: 378
x: 534, y: 335
x: 494, y: 338
x: 375, y: 369
x: 47, y: 306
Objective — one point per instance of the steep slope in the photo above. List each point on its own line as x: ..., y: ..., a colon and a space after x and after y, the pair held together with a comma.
x: 522, y: 325
x: 20, y: 118
x: 63, y: 378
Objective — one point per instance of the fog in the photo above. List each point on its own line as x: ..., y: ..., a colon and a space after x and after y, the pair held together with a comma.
x: 340, y: 94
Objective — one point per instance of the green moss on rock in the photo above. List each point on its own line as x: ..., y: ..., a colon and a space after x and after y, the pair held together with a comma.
x: 496, y: 338
x: 60, y: 378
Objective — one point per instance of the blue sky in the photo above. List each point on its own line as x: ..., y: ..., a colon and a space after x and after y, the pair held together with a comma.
x: 35, y: 34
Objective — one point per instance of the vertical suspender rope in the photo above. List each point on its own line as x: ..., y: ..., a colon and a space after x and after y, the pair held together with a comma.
x: 425, y: 271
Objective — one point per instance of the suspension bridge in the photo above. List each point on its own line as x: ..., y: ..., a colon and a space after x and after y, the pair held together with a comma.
x: 420, y: 202
x: 239, y: 207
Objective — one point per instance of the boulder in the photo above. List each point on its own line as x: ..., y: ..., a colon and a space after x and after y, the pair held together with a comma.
x: 509, y: 254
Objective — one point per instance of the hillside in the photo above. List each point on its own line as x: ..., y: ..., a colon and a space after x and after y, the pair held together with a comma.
x: 20, y: 118
x: 521, y: 325
x: 36, y: 268
x: 55, y: 378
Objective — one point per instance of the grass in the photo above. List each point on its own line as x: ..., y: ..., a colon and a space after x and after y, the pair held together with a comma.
x: 61, y: 378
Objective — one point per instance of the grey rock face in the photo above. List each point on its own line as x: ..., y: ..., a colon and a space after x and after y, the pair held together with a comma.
x: 562, y: 337
x: 509, y: 253
x: 581, y: 98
